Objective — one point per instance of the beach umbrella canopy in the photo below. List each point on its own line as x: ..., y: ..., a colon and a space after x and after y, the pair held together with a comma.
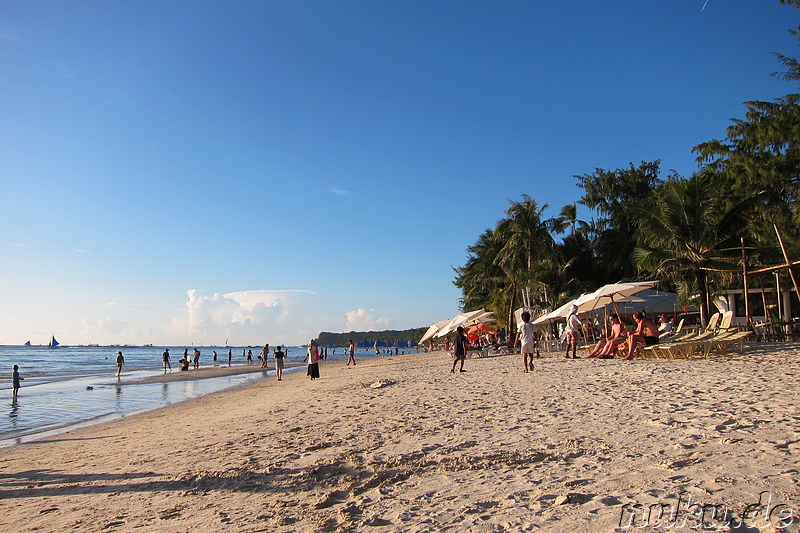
x: 561, y: 312
x: 433, y: 329
x: 464, y: 319
x: 609, y: 294
x: 477, y: 329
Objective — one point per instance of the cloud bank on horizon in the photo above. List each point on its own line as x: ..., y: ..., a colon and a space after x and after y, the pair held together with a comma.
x: 252, y: 317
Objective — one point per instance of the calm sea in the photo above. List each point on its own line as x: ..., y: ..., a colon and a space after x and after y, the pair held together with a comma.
x: 67, y: 387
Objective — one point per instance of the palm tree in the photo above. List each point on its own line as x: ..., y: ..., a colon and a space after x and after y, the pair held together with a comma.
x: 689, y: 229
x: 480, y: 279
x: 527, y: 240
x: 568, y: 218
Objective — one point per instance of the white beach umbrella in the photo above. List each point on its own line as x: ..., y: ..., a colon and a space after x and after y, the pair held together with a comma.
x: 464, y: 319
x: 433, y: 329
x: 561, y: 312
x: 610, y: 293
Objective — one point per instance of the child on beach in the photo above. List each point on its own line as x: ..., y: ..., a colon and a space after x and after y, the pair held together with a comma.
x: 527, y: 334
x: 15, y: 379
x: 459, y: 350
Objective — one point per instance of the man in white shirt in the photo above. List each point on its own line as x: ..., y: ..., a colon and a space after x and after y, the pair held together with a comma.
x: 526, y: 332
x: 574, y: 327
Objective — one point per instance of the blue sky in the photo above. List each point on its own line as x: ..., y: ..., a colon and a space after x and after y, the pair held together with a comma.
x: 191, y: 172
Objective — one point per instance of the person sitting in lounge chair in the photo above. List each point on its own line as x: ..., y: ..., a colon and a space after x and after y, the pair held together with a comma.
x: 646, y: 334
x: 606, y: 348
x: 664, y: 327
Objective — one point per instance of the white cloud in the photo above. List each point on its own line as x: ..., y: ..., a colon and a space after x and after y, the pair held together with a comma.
x: 18, y: 245
x: 82, y: 251
x: 248, y: 317
x: 363, y: 320
x: 339, y: 192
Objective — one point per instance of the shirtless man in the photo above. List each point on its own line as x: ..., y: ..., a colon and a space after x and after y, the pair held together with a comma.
x: 646, y: 334
x: 615, y: 338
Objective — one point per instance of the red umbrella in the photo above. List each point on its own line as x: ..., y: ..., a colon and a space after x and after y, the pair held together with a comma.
x: 477, y: 329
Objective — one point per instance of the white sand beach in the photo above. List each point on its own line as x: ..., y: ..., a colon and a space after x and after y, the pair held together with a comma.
x: 401, y: 444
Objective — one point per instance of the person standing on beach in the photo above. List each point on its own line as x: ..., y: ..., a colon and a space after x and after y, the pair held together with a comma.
x: 120, y: 363
x: 215, y: 356
x: 279, y: 357
x: 459, y: 350
x: 574, y: 327
x: 165, y: 359
x: 196, y: 358
x: 527, y: 334
x: 15, y: 379
x: 265, y: 356
x: 230, y: 356
x: 249, y: 357
x: 352, y: 349
x: 313, y: 360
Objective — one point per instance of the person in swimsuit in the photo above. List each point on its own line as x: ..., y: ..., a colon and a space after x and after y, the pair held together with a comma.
x: 120, y: 363
x: 646, y: 334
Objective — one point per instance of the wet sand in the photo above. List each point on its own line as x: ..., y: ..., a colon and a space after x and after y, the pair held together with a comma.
x: 401, y: 444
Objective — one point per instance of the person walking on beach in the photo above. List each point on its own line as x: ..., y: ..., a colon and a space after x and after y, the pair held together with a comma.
x: 574, y: 327
x: 313, y: 360
x: 527, y: 334
x: 230, y: 356
x: 165, y: 359
x: 459, y: 350
x: 352, y: 349
x: 249, y: 357
x: 265, y: 356
x: 196, y: 358
x: 15, y: 379
x: 279, y: 357
x: 120, y: 363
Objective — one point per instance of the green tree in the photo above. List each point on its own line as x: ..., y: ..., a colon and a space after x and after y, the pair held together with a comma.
x: 687, y: 230
x: 528, y: 245
x: 616, y: 195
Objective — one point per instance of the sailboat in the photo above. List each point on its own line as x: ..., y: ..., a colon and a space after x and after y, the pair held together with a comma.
x: 27, y: 343
x: 53, y: 342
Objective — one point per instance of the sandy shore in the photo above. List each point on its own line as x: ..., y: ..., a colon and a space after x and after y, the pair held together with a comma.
x: 401, y: 444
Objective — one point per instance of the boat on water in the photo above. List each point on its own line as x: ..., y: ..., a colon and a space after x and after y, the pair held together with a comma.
x: 27, y: 343
x: 53, y: 342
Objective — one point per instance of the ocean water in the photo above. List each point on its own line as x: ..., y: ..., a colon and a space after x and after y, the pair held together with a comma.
x: 54, y: 395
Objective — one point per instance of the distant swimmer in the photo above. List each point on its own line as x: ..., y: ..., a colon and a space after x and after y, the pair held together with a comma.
x: 120, y: 363
x: 165, y: 358
x: 15, y: 379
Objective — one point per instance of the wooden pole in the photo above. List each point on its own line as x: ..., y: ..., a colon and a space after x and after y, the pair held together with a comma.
x: 746, y: 287
x: 786, y: 258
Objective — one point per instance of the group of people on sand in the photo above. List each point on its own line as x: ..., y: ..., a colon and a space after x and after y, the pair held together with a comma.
x: 646, y: 334
x: 617, y: 343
